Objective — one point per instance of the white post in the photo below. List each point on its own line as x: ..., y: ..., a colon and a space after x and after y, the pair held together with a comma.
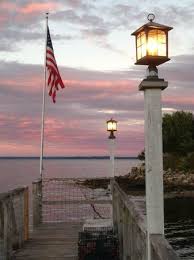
x: 153, y: 156
x: 43, y: 105
x: 112, y: 168
x: 112, y: 157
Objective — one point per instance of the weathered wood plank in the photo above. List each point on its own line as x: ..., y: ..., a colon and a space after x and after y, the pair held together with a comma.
x: 37, y: 202
x: 51, y: 241
x: 26, y: 214
x: 12, y: 193
x: 129, y: 214
x: 46, y: 257
x: 161, y: 249
x: 11, y: 221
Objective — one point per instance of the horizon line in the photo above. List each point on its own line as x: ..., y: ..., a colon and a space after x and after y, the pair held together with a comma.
x: 67, y: 157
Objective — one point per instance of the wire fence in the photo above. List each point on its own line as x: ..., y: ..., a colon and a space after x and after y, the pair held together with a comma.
x: 65, y: 199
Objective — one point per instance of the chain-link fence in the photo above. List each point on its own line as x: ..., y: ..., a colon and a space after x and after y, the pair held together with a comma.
x: 65, y: 199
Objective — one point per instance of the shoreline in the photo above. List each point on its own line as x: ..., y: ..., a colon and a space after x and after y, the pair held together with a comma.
x: 178, y: 184
x: 67, y: 158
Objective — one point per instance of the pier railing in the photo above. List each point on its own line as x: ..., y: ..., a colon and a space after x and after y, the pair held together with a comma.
x: 14, y: 221
x: 129, y: 223
x: 65, y: 200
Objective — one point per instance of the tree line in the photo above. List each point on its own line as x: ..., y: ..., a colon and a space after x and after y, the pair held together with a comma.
x: 178, y: 141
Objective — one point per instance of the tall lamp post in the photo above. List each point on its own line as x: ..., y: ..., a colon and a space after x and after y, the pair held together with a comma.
x: 111, y: 128
x: 152, y: 50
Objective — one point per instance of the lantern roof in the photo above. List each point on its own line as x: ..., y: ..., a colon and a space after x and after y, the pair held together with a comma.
x: 152, y: 25
x: 111, y: 120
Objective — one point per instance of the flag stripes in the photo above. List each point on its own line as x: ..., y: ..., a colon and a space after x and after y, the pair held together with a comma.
x: 54, y: 80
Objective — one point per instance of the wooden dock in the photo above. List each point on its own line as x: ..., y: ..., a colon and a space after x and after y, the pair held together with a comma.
x: 51, y: 241
x: 58, y: 216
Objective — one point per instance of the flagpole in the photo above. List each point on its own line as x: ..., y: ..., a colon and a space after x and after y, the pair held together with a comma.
x: 43, y: 104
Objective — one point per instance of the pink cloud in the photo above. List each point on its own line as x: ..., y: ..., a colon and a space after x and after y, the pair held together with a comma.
x: 75, y: 125
x: 38, y: 7
x: 27, y: 84
x: 17, y: 149
x: 3, y: 19
x: 179, y: 100
x: 101, y: 83
x: 5, y: 8
x: 8, y: 5
x: 68, y: 137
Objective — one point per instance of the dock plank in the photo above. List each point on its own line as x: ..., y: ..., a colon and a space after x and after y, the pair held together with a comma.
x: 51, y: 241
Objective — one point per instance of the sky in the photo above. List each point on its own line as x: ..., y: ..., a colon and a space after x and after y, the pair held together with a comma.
x: 95, y: 53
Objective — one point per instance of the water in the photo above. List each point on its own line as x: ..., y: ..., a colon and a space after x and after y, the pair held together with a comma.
x: 18, y: 172
x: 179, y: 225
x: 179, y: 213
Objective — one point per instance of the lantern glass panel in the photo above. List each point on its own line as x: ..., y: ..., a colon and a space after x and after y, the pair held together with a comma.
x: 111, y: 126
x: 141, y: 45
x: 156, y: 45
x: 114, y: 125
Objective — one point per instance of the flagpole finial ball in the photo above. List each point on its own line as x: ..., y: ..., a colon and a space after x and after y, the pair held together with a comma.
x: 151, y: 17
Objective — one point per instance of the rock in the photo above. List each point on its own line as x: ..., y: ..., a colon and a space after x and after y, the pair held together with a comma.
x: 169, y: 180
x: 168, y: 171
x: 181, y: 177
x: 185, y: 182
x: 142, y: 169
x: 134, y: 170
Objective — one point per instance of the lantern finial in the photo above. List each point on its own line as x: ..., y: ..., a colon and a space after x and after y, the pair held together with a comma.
x: 151, y: 17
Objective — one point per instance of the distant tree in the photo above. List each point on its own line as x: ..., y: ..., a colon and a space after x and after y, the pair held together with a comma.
x: 178, y: 133
x: 141, y: 155
x: 178, y: 141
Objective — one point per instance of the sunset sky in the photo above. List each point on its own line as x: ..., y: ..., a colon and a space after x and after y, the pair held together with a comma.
x: 95, y: 53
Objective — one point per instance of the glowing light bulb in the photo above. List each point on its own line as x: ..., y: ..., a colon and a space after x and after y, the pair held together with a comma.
x: 152, y: 46
x: 111, y: 125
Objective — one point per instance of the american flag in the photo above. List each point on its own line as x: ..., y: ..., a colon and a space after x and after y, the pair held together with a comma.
x: 54, y: 78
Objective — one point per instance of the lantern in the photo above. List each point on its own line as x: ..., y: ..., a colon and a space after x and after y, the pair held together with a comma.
x: 152, y: 43
x: 111, y: 127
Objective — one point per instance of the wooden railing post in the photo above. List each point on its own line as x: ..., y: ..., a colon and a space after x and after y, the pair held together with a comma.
x: 21, y: 226
x: 125, y: 234
x: 2, y: 255
x: 26, y: 214
x: 7, y: 230
x: 112, y: 199
x: 13, y: 221
x: 115, y: 204
x: 161, y: 249
x: 37, y: 202
x: 132, y: 233
x: 120, y: 229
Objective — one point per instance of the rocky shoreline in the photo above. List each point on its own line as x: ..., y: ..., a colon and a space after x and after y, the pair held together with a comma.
x: 135, y: 181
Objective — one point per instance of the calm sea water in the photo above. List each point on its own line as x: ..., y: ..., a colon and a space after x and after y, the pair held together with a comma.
x: 16, y: 172
x: 179, y: 226
x: 179, y: 213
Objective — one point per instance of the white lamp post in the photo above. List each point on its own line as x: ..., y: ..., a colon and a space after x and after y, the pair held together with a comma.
x: 152, y: 50
x: 111, y: 128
